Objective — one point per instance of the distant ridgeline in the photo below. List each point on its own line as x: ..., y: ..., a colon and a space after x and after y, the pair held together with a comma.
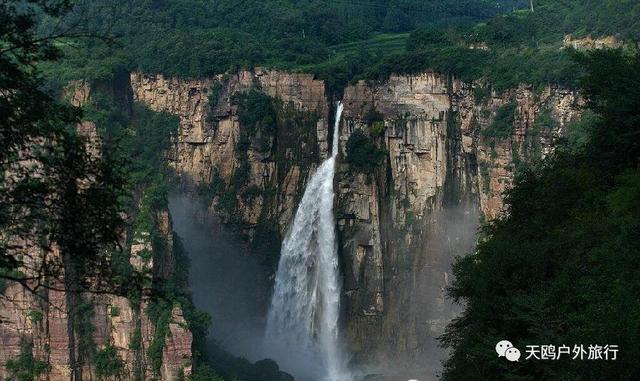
x: 502, y: 41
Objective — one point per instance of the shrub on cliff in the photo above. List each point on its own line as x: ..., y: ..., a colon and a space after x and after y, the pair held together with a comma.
x: 108, y: 364
x: 255, y: 112
x: 205, y: 373
x: 375, y: 120
x: 363, y: 155
x: 503, y: 124
x: 25, y: 367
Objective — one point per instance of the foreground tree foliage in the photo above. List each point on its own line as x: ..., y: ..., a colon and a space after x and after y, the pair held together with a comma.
x: 560, y: 267
x: 60, y: 193
x: 60, y: 203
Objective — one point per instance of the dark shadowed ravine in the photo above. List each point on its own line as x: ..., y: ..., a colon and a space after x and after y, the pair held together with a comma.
x: 225, y: 280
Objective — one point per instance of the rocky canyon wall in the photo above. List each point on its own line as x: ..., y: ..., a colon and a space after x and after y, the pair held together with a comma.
x: 207, y: 149
x: 447, y: 162
x: 35, y: 326
x: 450, y: 151
x: 38, y: 324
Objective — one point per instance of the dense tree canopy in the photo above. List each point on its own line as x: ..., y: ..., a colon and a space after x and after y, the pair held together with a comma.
x: 517, y: 47
x: 502, y: 41
x: 198, y: 38
x: 561, y: 266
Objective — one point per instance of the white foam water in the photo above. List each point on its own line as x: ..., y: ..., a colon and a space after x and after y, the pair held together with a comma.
x: 302, y: 332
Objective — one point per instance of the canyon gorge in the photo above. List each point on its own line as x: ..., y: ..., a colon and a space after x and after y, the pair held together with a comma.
x: 319, y: 190
x: 444, y: 153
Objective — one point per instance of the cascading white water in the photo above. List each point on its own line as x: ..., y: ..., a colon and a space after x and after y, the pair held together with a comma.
x: 302, y: 325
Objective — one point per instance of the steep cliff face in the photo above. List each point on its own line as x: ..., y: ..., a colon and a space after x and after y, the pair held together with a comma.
x: 451, y: 150
x: 206, y: 149
x: 450, y: 155
x: 36, y: 325
x: 107, y: 321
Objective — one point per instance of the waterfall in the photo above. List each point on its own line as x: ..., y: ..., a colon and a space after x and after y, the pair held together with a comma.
x: 302, y: 325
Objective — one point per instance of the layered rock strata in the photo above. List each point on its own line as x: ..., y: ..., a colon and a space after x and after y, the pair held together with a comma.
x: 38, y: 323
x: 451, y: 150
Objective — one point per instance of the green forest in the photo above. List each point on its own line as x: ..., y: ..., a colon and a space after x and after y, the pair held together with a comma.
x: 196, y: 38
x: 559, y: 266
x: 342, y: 41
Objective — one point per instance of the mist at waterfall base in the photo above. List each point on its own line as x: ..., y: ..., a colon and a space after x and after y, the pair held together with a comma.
x: 226, y: 281
x: 230, y: 284
x: 302, y: 332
